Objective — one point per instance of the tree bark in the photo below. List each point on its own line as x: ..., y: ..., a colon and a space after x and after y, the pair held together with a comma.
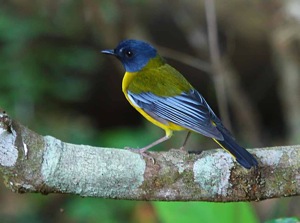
x: 30, y: 162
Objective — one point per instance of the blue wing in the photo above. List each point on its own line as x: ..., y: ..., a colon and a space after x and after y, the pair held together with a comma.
x: 189, y: 110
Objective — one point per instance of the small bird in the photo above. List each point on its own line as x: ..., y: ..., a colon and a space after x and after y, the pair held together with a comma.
x: 165, y: 98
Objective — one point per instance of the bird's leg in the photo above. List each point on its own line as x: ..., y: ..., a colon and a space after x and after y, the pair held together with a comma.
x: 185, y: 141
x: 142, y: 151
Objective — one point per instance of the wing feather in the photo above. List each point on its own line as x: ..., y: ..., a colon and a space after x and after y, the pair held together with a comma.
x: 189, y: 110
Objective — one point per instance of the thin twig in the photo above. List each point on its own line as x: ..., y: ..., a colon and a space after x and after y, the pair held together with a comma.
x: 185, y: 59
x: 215, y: 57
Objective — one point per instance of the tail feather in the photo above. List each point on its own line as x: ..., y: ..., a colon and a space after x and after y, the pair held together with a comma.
x: 241, y: 155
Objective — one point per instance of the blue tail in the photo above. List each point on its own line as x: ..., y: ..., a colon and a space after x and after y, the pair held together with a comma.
x: 241, y: 155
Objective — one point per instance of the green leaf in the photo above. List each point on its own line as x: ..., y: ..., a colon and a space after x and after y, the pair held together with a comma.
x: 204, y: 212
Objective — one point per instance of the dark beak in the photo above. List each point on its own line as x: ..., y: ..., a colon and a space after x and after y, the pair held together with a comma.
x: 110, y: 52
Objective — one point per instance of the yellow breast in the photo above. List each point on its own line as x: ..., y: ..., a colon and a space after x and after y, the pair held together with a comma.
x: 167, y: 126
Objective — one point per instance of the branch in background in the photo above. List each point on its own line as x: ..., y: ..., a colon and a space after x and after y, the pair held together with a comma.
x: 33, y: 163
x: 243, y: 109
x: 185, y: 59
x: 215, y: 58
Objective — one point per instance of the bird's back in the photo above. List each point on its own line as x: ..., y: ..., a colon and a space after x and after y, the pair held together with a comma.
x: 158, y: 78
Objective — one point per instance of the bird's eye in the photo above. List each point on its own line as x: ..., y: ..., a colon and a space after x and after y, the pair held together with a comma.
x: 128, y: 53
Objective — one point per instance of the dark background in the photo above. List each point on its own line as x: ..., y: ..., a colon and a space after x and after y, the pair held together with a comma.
x: 54, y: 79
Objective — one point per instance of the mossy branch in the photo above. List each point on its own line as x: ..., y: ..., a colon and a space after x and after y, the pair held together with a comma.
x: 30, y: 162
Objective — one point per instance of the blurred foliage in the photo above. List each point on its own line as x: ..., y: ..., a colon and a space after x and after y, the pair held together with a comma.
x: 205, y: 212
x: 53, y: 79
x: 284, y: 220
x: 34, y: 54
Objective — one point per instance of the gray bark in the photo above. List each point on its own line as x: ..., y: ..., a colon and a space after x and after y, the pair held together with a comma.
x: 30, y: 162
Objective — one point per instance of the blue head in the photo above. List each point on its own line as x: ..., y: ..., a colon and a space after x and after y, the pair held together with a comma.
x: 133, y: 54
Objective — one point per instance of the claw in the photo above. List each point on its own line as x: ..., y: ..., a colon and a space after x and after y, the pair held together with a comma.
x: 141, y: 152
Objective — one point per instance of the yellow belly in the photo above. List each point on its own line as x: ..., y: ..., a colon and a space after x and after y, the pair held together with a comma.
x: 167, y: 126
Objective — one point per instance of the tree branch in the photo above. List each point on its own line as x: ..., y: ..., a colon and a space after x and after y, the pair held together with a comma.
x: 215, y: 57
x: 33, y: 163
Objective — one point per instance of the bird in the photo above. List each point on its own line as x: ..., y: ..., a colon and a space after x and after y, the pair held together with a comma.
x: 164, y: 97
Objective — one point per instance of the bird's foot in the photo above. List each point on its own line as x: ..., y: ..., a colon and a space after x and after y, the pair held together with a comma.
x: 142, y: 152
x: 182, y: 148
